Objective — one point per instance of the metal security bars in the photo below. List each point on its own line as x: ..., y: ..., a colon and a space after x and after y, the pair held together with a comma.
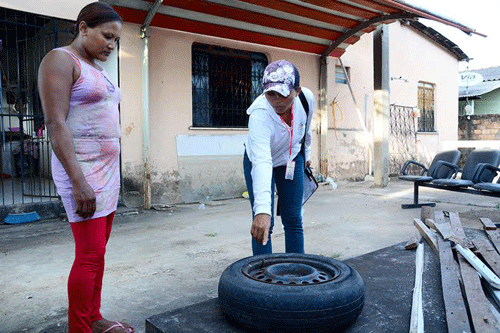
x: 225, y: 83
x: 25, y: 175
x: 403, y: 137
x: 426, y: 106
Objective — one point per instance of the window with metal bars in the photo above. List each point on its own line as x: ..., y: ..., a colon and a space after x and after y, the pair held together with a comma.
x: 224, y: 84
x: 426, y: 106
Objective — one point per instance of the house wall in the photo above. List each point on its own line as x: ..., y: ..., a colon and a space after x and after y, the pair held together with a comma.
x: 489, y: 103
x: 348, y: 144
x: 67, y: 9
x: 416, y: 58
x: 187, y: 164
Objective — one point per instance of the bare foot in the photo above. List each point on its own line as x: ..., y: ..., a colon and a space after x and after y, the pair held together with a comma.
x: 110, y: 326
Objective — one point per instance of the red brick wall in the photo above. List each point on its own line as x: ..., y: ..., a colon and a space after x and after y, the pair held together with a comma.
x: 479, y: 127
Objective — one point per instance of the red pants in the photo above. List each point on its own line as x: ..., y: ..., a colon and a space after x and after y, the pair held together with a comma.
x: 85, y: 278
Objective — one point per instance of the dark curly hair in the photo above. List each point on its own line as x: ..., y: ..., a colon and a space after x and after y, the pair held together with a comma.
x: 95, y: 13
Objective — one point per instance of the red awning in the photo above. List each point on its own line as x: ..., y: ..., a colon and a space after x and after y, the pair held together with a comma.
x: 322, y: 27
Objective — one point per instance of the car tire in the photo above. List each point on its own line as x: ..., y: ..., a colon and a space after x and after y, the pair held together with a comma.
x: 291, y: 293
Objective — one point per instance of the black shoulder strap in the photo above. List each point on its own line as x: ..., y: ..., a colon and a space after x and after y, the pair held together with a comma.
x: 304, y: 102
x: 306, y: 108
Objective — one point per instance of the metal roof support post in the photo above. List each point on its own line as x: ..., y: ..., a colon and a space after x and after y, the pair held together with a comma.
x: 146, y: 152
x: 323, y: 106
x: 381, y: 121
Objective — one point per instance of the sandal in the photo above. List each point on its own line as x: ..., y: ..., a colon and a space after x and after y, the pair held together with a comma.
x: 117, y: 324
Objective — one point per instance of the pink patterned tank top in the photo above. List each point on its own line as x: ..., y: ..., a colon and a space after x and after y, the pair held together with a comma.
x: 93, y: 121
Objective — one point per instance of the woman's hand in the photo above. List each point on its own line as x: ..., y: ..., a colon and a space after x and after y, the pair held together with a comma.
x: 309, y: 163
x: 260, y: 228
x: 85, y: 199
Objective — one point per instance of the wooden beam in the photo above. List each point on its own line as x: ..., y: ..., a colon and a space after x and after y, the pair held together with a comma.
x: 430, y: 224
x: 458, y: 230
x: 480, y: 267
x: 413, y: 241
x: 487, y: 223
x: 494, y: 237
x: 439, y: 216
x: 456, y: 312
x: 481, y: 316
x: 426, y: 212
x: 417, y: 314
x: 428, y: 234
x: 486, y: 249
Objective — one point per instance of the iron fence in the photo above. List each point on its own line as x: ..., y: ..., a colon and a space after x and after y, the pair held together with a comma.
x: 402, y: 146
x: 25, y: 38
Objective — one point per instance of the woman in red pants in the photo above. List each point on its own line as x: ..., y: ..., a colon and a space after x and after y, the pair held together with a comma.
x: 80, y: 105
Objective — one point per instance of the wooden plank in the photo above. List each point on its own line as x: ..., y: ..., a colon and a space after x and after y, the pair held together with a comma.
x: 413, y: 241
x: 426, y: 213
x: 482, y: 269
x: 445, y: 230
x: 417, y: 314
x: 428, y: 234
x: 487, y: 223
x: 439, y: 217
x: 494, y: 237
x: 458, y: 230
x: 430, y: 224
x: 482, y: 318
x: 456, y: 312
x: 486, y: 249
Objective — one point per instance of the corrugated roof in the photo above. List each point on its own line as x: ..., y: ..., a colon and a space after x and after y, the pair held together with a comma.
x: 478, y: 89
x: 491, y: 81
x: 323, y: 27
x: 440, y: 39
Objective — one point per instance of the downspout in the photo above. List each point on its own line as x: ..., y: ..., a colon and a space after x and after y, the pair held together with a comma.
x: 146, y: 151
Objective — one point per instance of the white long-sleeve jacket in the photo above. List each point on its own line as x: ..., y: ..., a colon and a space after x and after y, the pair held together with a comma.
x: 268, y: 143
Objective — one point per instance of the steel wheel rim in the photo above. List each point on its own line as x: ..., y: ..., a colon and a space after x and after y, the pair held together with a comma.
x: 291, y: 271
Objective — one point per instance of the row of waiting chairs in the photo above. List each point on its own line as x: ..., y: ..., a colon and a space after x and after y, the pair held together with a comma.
x: 475, y: 177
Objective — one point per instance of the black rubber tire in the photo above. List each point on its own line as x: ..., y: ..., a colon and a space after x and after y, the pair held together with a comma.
x: 291, y: 293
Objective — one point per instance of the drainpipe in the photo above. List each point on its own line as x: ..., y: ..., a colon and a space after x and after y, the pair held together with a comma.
x: 323, y: 107
x: 146, y: 152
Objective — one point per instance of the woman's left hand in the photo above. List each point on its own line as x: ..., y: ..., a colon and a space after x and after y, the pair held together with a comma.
x: 309, y: 163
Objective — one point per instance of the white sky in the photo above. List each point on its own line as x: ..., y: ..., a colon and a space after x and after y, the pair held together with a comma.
x: 481, y: 15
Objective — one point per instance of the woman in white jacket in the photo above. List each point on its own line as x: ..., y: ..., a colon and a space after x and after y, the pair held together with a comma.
x: 275, y: 154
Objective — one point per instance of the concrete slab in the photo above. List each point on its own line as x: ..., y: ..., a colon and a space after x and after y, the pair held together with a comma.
x: 389, y: 276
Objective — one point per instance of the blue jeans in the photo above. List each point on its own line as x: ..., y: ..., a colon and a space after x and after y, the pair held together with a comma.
x: 289, y: 203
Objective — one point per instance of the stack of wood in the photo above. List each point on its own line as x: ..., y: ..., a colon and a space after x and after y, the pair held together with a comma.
x: 465, y: 263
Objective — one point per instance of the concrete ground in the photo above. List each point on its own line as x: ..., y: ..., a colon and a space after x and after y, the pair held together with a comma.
x: 160, y: 260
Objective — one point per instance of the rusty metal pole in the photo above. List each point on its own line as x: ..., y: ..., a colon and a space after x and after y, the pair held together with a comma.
x: 323, y: 106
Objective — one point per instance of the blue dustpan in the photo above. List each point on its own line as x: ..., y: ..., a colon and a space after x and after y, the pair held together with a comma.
x: 21, y: 218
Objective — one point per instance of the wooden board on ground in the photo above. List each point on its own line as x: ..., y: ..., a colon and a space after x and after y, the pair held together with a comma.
x: 428, y: 234
x: 482, y: 318
x: 456, y: 313
x: 413, y: 241
x: 458, y: 230
x: 494, y: 236
x: 488, y: 252
x: 487, y: 223
x: 426, y: 213
x: 439, y: 216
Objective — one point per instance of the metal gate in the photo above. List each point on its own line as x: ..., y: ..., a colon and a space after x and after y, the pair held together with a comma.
x: 25, y: 38
x: 403, y: 137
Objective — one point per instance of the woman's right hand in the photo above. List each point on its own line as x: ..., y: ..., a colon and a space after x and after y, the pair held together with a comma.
x: 85, y: 199
x: 260, y: 228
